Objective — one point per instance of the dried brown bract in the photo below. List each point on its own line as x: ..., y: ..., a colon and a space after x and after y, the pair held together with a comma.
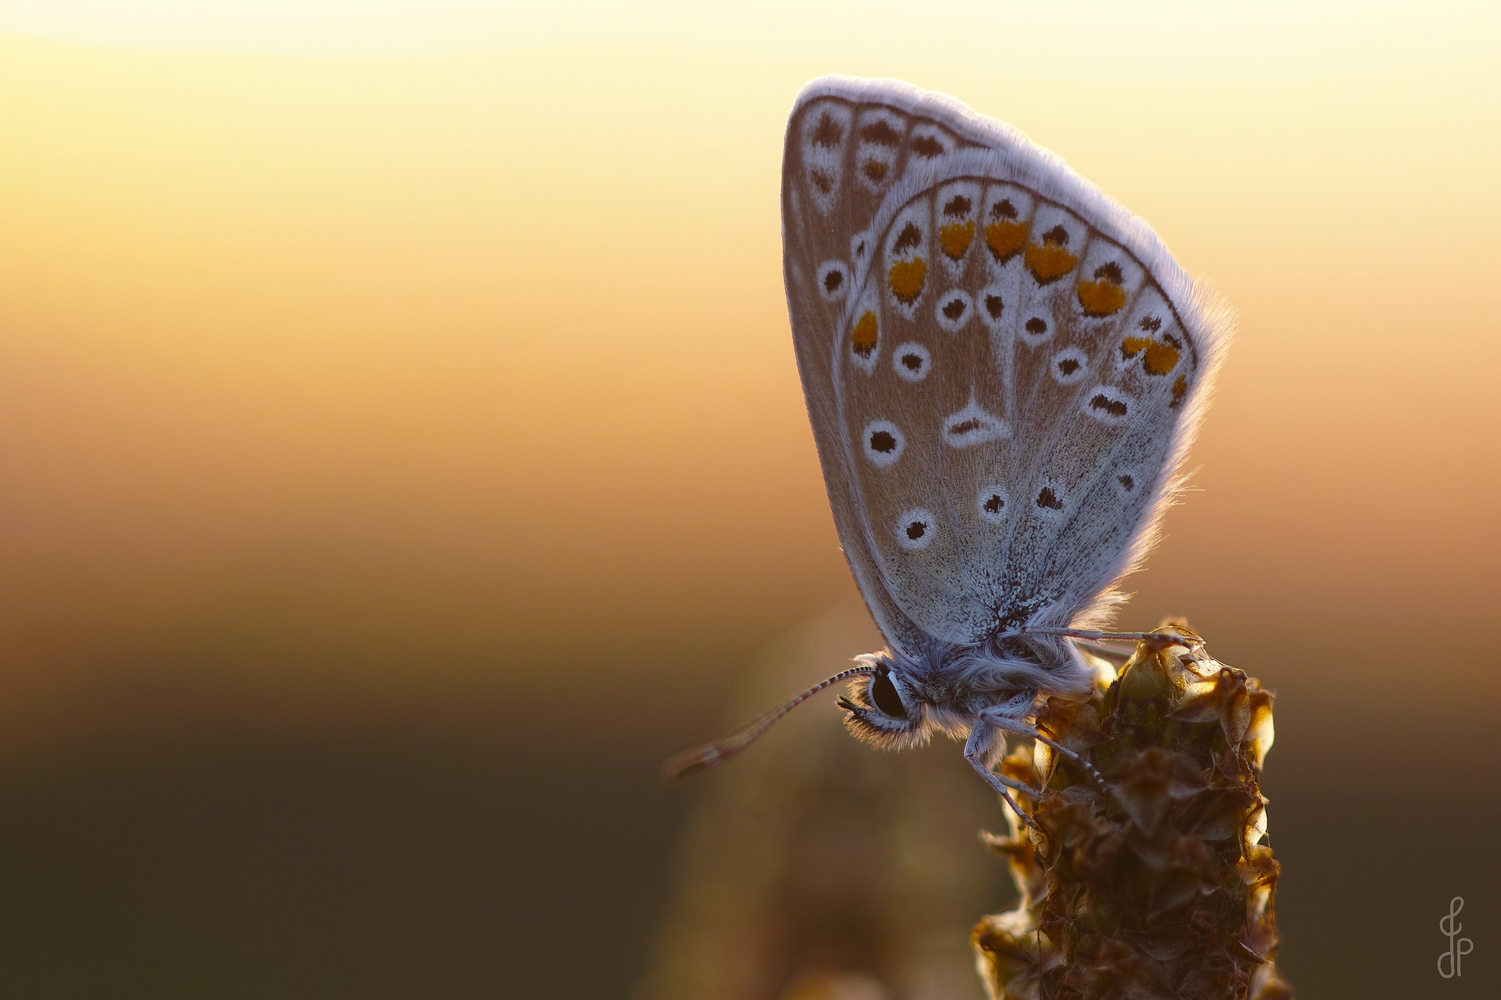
x: 1158, y: 886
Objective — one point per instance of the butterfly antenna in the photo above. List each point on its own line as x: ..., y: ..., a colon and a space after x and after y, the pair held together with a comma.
x: 690, y: 762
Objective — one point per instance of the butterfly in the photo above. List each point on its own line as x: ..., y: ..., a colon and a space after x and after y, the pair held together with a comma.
x: 1004, y: 370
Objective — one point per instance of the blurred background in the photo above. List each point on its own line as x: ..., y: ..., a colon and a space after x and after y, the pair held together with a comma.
x: 403, y: 453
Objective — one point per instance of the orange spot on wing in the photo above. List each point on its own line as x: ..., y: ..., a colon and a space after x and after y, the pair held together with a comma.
x: 1180, y: 388
x: 1049, y: 262
x: 906, y: 279
x: 1101, y: 298
x: 863, y: 336
x: 1158, y: 359
x: 956, y: 237
x: 875, y: 170
x: 1005, y: 238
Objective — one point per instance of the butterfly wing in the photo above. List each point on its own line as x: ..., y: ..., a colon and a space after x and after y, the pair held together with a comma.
x: 1003, y: 369
x: 848, y: 142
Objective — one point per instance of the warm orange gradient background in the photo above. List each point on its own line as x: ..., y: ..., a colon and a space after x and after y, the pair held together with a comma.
x: 473, y: 369
x: 455, y: 375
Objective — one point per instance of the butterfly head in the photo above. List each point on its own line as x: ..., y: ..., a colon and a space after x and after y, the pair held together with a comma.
x: 885, y: 706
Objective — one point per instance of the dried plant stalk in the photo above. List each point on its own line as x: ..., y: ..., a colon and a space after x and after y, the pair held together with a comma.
x: 1158, y: 886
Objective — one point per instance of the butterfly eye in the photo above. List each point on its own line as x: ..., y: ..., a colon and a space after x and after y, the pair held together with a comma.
x: 883, y: 694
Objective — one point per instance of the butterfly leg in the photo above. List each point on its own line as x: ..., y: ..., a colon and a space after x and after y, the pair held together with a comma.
x: 1169, y: 635
x: 1022, y: 729
x: 980, y: 750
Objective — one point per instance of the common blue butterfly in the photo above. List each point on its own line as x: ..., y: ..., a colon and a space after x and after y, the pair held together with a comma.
x: 1004, y: 370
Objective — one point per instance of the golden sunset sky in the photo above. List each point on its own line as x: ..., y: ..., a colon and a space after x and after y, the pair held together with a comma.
x: 407, y: 347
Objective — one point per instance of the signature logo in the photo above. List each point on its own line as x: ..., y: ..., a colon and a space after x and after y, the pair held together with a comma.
x: 1459, y: 947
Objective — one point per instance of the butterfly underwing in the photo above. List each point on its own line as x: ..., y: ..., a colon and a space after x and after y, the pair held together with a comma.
x: 1003, y: 370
